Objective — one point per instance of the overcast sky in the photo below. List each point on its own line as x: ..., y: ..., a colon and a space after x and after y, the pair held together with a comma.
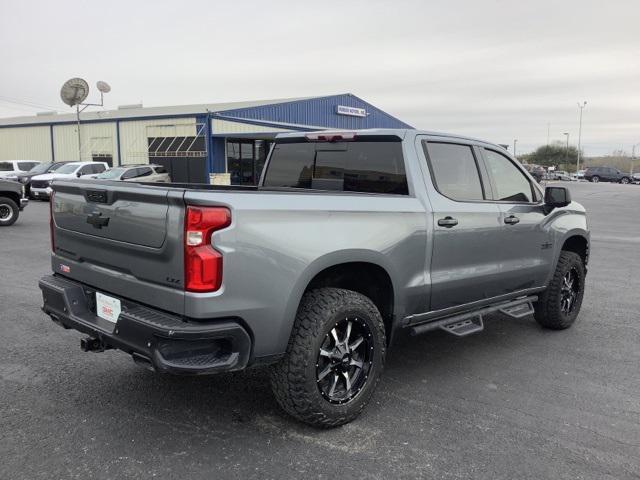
x: 498, y: 70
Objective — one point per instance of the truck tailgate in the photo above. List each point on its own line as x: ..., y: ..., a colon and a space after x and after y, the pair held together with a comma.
x: 125, y: 239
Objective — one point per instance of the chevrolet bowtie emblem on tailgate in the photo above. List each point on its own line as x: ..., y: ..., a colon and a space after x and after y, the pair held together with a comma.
x: 97, y: 220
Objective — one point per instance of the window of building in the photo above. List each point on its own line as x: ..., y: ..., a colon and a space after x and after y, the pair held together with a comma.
x: 509, y: 182
x: 370, y: 167
x: 245, y: 160
x: 454, y: 171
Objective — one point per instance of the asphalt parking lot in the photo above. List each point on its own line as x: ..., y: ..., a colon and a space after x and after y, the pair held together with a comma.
x: 515, y: 401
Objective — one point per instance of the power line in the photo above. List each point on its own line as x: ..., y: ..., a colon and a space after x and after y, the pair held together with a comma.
x: 27, y: 103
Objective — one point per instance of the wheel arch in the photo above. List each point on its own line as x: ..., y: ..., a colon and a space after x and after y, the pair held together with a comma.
x: 11, y: 196
x: 579, y: 244
x: 363, y: 271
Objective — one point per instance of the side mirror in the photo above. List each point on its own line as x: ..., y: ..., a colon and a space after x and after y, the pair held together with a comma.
x: 556, y: 197
x: 78, y: 174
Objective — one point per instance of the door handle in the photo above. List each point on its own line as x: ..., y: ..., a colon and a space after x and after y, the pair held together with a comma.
x: 447, y: 222
x: 511, y: 220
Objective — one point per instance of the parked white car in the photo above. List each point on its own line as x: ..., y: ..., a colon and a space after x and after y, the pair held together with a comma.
x: 12, y: 168
x: 41, y: 184
x: 136, y: 173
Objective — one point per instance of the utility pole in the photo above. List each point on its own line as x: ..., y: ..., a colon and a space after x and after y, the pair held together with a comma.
x: 581, y: 107
x: 566, y: 155
x: 514, y: 148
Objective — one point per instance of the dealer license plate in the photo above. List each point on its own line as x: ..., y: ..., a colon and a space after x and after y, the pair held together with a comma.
x: 107, y: 307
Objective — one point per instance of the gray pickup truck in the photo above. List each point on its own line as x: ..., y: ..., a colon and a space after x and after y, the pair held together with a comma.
x: 12, y: 201
x: 348, y: 238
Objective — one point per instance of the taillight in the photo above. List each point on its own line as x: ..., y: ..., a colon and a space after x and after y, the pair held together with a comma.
x: 330, y: 136
x: 51, y: 225
x: 202, y: 263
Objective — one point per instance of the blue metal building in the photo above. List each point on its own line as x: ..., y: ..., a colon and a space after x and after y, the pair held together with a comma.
x: 227, y: 142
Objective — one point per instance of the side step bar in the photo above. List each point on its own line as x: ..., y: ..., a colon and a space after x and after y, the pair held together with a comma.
x: 471, y: 322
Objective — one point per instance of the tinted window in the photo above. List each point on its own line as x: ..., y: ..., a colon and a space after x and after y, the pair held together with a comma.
x: 97, y: 168
x: 131, y: 173
x: 144, y: 172
x: 161, y: 169
x: 455, y: 172
x: 6, y: 166
x: 370, y: 167
x: 26, y: 166
x: 510, y: 183
x: 41, y: 168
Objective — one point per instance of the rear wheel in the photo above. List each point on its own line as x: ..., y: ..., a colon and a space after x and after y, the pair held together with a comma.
x: 9, y: 212
x: 559, y: 305
x: 334, y: 358
x: 624, y: 180
x: 595, y: 179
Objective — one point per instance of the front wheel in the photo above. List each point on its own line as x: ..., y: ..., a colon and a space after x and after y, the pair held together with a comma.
x: 624, y: 180
x: 9, y: 212
x: 334, y: 358
x: 558, y: 307
x: 595, y: 179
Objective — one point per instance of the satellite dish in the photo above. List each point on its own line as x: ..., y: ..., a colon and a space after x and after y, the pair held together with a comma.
x: 74, y: 91
x: 104, y: 87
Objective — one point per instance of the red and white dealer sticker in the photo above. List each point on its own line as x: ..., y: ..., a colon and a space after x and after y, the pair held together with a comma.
x: 107, y: 307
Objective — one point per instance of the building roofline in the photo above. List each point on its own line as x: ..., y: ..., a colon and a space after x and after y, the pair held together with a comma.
x: 143, y: 113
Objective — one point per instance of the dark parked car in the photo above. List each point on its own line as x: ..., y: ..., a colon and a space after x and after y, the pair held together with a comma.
x: 536, y: 171
x: 25, y: 178
x: 606, y: 174
x: 635, y: 178
x: 12, y: 202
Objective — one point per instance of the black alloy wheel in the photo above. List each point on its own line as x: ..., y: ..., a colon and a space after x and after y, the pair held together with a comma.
x: 344, y: 360
x: 569, y: 291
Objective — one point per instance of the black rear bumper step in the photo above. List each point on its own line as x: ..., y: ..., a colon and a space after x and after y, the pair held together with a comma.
x: 470, y: 322
x: 163, y: 341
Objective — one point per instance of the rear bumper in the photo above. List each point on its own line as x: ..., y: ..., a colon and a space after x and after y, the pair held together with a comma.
x: 161, y: 341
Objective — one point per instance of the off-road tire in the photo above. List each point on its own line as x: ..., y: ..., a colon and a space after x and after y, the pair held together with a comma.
x: 294, y: 379
x: 548, y: 312
x: 13, y: 212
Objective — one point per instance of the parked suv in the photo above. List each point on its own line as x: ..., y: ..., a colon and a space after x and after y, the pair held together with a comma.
x: 41, y: 184
x: 136, y: 173
x: 11, y: 168
x: 348, y: 238
x: 606, y: 174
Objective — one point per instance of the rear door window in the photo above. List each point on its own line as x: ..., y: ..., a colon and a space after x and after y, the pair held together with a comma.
x: 454, y: 171
x: 368, y: 167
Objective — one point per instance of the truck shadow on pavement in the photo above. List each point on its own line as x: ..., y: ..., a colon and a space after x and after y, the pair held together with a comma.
x: 417, y: 368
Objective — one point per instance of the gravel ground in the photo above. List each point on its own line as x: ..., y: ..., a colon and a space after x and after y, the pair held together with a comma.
x: 515, y: 401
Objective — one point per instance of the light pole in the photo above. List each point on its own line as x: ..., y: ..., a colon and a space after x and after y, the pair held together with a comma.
x: 566, y: 155
x: 515, y: 141
x: 633, y: 157
x: 581, y: 107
